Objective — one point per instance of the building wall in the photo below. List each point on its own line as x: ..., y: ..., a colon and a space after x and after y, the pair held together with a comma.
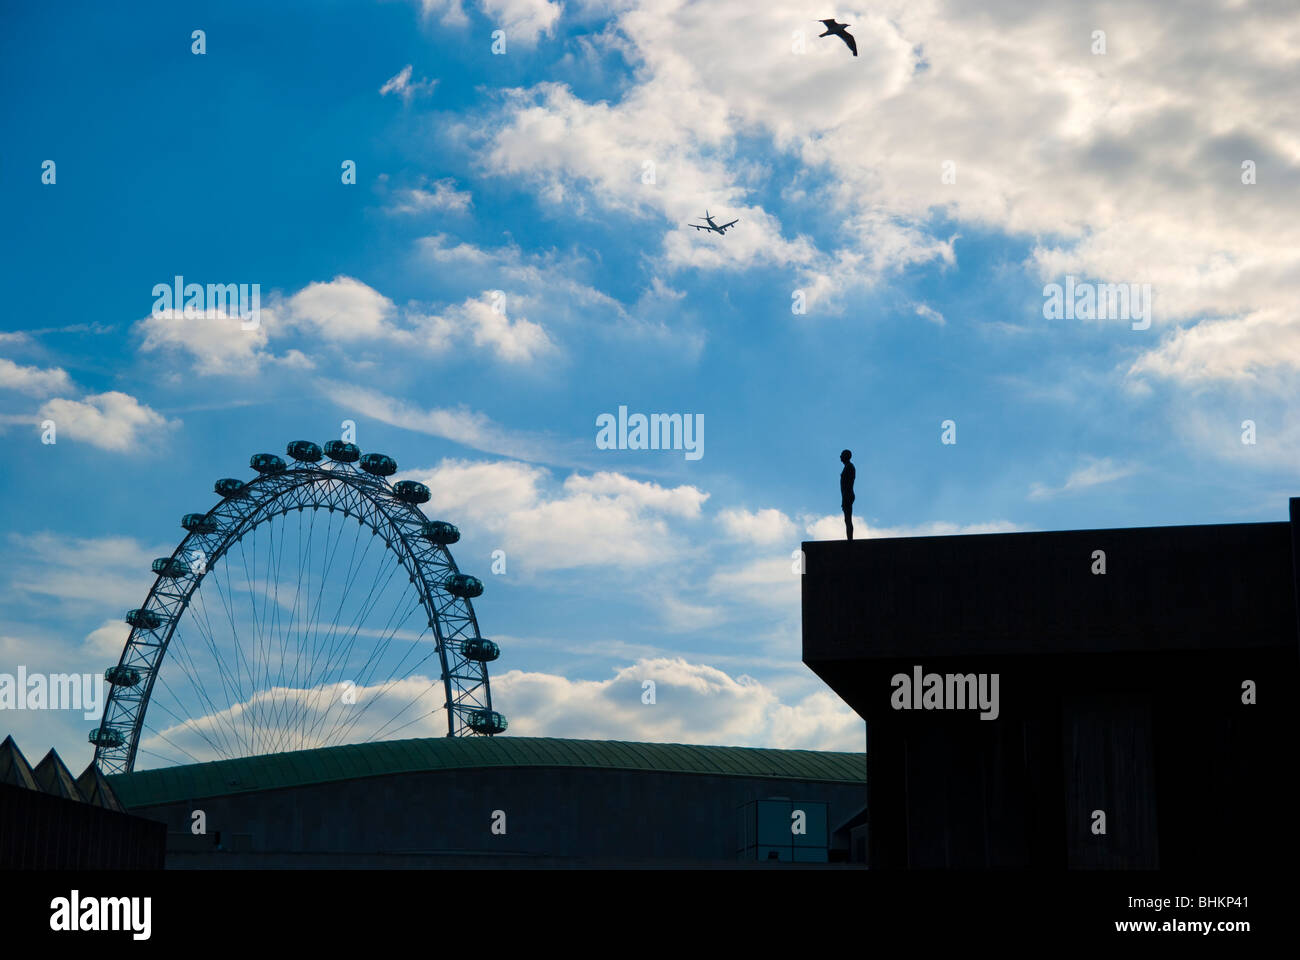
x: 1119, y: 692
x: 552, y: 815
x: 39, y: 831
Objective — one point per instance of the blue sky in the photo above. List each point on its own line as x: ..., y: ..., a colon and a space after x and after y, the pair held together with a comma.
x: 524, y: 174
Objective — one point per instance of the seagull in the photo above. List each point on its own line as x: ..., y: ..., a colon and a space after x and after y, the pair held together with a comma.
x: 840, y: 30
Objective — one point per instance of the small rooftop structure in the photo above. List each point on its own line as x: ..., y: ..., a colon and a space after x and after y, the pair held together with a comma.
x: 14, y: 768
x: 51, y: 776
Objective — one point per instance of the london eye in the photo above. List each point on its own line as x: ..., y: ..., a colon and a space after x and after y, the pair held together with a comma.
x: 313, y: 605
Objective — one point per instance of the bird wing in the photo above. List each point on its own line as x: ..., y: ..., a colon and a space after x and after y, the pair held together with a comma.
x: 848, y: 38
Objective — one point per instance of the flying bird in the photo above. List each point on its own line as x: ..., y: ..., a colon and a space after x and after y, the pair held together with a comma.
x: 840, y: 30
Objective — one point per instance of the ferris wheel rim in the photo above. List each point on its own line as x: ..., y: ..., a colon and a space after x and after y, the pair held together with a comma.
x: 361, y: 494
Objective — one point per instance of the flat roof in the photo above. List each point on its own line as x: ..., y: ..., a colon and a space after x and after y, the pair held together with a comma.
x: 304, y: 767
x: 1144, y: 590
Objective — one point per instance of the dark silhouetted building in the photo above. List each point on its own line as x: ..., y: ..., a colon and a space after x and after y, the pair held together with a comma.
x: 49, y: 821
x: 505, y: 801
x: 1146, y: 693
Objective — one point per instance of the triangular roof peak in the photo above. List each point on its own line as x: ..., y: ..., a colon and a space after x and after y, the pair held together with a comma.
x: 14, y: 768
x: 94, y: 788
x: 53, y: 776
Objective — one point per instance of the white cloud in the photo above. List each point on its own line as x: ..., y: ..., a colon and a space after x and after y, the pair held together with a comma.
x: 110, y: 421
x: 450, y: 12
x: 109, y: 638
x: 218, y: 342
x: 441, y: 249
x: 1128, y: 132
x: 488, y: 493
x: 299, y: 718
x: 25, y: 336
x: 444, y: 196
x: 605, y: 520
x: 1093, y: 472
x: 929, y: 313
x: 348, y: 313
x: 1208, y: 425
x: 33, y: 380
x: 105, y: 571
x: 401, y: 85
x: 516, y: 341
x: 680, y: 615
x: 692, y: 99
x: 345, y: 310
x: 768, y: 582
x: 694, y: 703
x: 524, y: 21
x: 546, y: 286
x: 762, y: 527
x: 832, y: 528
x: 572, y: 150
x: 583, y: 530
x: 1244, y: 348
x: 683, y: 501
x: 639, y: 535
x: 462, y: 425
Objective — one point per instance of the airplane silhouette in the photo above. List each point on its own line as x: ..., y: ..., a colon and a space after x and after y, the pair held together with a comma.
x: 840, y: 30
x: 710, y: 225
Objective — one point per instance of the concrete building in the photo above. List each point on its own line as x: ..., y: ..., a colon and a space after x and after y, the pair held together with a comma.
x: 1146, y: 698
x: 506, y: 801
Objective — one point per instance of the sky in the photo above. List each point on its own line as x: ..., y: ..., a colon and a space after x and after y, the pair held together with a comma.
x: 468, y: 221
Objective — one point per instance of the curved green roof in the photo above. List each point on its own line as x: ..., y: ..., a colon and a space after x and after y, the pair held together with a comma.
x: 303, y: 767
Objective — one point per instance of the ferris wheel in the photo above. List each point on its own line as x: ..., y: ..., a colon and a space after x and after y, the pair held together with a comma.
x: 313, y: 605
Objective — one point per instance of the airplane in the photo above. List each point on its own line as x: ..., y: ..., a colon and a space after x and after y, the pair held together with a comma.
x: 710, y: 225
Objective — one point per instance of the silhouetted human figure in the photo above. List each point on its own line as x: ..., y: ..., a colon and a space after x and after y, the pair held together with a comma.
x: 847, y: 476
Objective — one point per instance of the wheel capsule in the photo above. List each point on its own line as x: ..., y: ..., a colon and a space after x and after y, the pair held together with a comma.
x: 440, y: 532
x: 409, y: 491
x: 304, y: 451
x: 342, y: 452
x: 169, y: 567
x: 144, y: 619
x: 120, y: 676
x: 379, y: 465
x: 464, y: 586
x: 486, y: 721
x: 266, y: 463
